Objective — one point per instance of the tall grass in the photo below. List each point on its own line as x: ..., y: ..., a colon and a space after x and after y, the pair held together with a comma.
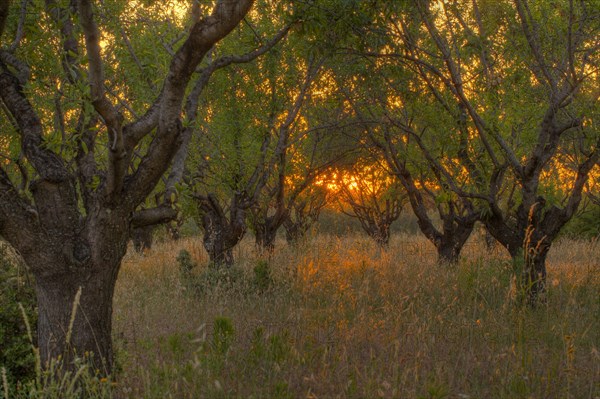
x: 341, y: 318
x: 52, y: 381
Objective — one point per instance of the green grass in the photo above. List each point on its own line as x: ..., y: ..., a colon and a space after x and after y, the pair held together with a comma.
x: 338, y: 317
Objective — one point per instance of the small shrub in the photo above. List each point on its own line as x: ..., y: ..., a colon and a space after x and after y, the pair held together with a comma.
x: 16, y: 355
x: 54, y: 383
x: 186, y: 263
x: 585, y: 225
x: 262, y: 275
x: 215, y: 276
x: 218, y: 277
x: 223, y: 335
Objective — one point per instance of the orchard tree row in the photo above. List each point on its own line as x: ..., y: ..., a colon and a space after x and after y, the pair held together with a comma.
x: 117, y: 116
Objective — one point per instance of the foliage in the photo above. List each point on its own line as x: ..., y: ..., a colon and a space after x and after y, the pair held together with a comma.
x: 262, y: 275
x: 585, y: 225
x: 214, y: 277
x: 16, y: 293
x: 223, y: 335
x: 186, y: 263
x: 20, y: 369
x: 52, y: 383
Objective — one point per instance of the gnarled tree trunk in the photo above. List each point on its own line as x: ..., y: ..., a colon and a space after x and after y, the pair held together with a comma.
x: 221, y: 233
x: 528, y: 240
x: 303, y: 214
x: 75, y: 286
x: 455, y: 234
x: 265, y: 233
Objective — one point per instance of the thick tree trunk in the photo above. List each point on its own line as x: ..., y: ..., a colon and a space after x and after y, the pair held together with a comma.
x: 75, y: 319
x: 75, y: 288
x: 536, y: 279
x: 450, y: 244
x: 295, y: 231
x: 265, y: 227
x: 265, y: 235
x: 528, y: 244
x: 448, y: 253
x: 220, y: 256
x: 529, y: 268
x: 218, y: 252
x: 220, y: 237
x: 381, y: 235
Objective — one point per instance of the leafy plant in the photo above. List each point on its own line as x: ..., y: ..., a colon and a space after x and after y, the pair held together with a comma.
x: 585, y: 225
x: 262, y: 275
x: 16, y: 355
x: 223, y: 335
x: 186, y: 263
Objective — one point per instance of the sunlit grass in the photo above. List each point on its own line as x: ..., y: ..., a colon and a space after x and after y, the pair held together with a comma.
x: 344, y: 319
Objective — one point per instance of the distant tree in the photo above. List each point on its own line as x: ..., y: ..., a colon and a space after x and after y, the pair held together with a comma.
x: 370, y: 194
x: 304, y: 212
x: 393, y: 118
x: 272, y: 207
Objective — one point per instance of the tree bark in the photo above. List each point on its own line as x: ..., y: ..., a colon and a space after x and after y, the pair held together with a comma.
x: 295, y: 231
x: 380, y: 232
x: 528, y: 243
x: 450, y: 244
x: 221, y: 233
x: 219, y: 241
x: 75, y: 289
x: 265, y: 234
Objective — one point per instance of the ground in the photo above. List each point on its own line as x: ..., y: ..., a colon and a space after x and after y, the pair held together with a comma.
x: 337, y: 317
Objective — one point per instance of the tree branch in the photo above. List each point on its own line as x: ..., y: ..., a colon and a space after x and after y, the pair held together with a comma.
x: 117, y: 165
x: 63, y: 18
x: 46, y: 163
x: 153, y: 216
x: 203, y: 35
x: 19, y: 222
x: 20, y: 27
x: 529, y: 27
x: 4, y: 8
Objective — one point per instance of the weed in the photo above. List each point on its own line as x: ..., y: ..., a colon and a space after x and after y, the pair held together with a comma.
x: 262, y: 276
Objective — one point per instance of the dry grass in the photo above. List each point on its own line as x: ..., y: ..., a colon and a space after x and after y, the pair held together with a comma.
x: 343, y: 319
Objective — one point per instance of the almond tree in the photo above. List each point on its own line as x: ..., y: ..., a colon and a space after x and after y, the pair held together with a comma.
x: 304, y: 212
x: 72, y: 220
x: 273, y: 202
x: 370, y: 194
x: 520, y: 80
x: 393, y: 115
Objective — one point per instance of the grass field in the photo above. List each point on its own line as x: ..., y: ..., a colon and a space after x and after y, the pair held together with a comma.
x: 336, y: 317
